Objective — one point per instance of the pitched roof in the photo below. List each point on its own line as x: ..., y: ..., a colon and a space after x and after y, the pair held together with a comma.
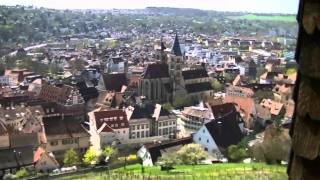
x: 194, y: 74
x: 3, y: 129
x: 273, y: 106
x: 225, y: 130
x: 54, y: 93
x: 236, y: 80
x: 262, y: 112
x: 155, y: 148
x: 198, y: 112
x: 37, y: 155
x: 17, y: 157
x: 116, y: 119
x: 155, y: 71
x: 198, y: 87
x: 114, y: 82
x: 244, y: 105
x: 221, y: 110
x: 62, y: 126
x: 24, y: 139
x: 176, y: 47
x: 147, y: 112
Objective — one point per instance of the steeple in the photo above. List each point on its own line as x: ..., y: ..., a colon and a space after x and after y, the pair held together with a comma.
x: 176, y: 47
x: 163, y: 47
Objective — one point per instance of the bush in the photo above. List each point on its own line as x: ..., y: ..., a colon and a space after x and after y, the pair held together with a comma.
x: 109, y: 153
x: 191, y: 154
x: 90, y: 157
x: 167, y: 161
x: 71, y: 158
x: 236, y: 153
x: 132, y: 157
x: 22, y: 173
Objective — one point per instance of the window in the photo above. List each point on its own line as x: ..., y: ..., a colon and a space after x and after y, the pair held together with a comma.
x: 122, y: 124
x: 67, y: 141
x: 133, y: 127
x: 199, y: 138
x: 203, y: 131
x: 54, y: 143
x: 138, y: 126
x: 147, y: 126
x: 142, y: 126
x: 206, y: 149
x: 138, y: 134
x: 142, y: 134
x: 147, y: 133
x: 207, y: 140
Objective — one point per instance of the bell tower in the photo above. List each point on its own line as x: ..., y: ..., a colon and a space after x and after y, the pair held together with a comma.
x: 175, y: 62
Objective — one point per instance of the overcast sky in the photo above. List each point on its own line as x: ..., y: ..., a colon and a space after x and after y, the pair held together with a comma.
x: 265, y: 6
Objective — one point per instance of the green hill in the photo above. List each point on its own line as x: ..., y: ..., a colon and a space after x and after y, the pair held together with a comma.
x: 284, y: 18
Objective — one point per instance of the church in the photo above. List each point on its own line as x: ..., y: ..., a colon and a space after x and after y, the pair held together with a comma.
x: 170, y: 79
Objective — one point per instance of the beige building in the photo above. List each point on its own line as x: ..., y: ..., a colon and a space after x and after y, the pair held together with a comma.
x: 108, y: 127
x: 64, y: 134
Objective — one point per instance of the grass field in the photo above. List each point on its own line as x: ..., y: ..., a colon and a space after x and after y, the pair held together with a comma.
x: 215, y: 171
x: 284, y: 18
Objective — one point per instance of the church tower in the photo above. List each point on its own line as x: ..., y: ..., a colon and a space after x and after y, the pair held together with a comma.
x: 163, y: 55
x: 175, y: 62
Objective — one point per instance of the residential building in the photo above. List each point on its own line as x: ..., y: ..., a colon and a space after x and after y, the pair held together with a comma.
x: 239, y: 91
x: 276, y: 108
x: 44, y: 161
x: 218, y: 134
x: 194, y: 117
x: 63, y: 134
x: 245, y: 106
x: 111, y: 125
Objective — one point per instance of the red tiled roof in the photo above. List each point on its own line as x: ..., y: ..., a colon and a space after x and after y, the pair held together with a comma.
x: 38, y: 154
x: 244, y: 105
x: 115, y: 119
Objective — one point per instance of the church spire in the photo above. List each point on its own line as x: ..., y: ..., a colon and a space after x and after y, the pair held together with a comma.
x: 176, y: 47
x: 163, y: 47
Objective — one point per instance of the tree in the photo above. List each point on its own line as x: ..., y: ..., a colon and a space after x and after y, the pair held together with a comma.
x: 90, y: 157
x: 216, y: 85
x: 191, y: 154
x: 109, y: 153
x: 167, y: 106
x: 22, y: 173
x: 229, y: 77
x: 167, y: 160
x: 71, y: 158
x: 291, y: 71
x: 236, y: 153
